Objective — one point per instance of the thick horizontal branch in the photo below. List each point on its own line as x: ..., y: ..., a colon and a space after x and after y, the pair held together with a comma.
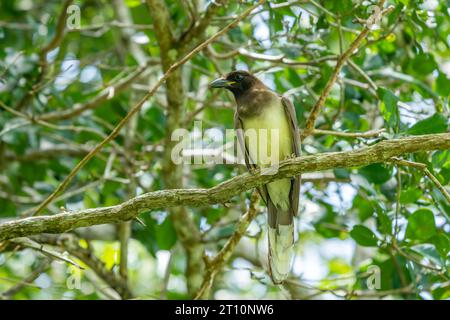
x: 380, y: 152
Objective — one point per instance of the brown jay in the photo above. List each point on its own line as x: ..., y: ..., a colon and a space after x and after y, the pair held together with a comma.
x: 262, y: 110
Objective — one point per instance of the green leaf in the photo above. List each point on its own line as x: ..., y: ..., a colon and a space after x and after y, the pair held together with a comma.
x: 341, y: 173
x: 442, y: 244
x: 326, y: 231
x: 445, y: 175
x: 421, y: 225
x: 8, y: 208
x: 424, y: 64
x: 410, y: 196
x: 363, y: 236
x: 327, y: 226
x: 343, y: 6
x: 405, y: 2
x: 388, y: 108
x: 443, y: 85
x: 146, y: 234
x: 165, y: 234
x: 226, y: 231
x: 376, y: 173
x: 437, y: 123
x: 132, y: 3
x: 384, y: 223
x: 363, y: 206
x: 441, y: 159
x: 391, y: 275
x: 339, y: 266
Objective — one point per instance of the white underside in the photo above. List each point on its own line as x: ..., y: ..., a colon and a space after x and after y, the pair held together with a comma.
x: 281, y: 246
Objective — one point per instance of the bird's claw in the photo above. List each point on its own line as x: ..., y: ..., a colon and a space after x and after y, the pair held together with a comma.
x: 291, y: 156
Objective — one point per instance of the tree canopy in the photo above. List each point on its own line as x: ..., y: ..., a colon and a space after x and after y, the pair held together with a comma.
x: 93, y: 206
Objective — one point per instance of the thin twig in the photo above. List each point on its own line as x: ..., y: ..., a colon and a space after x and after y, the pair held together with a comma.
x: 71, y: 243
x: 310, y: 122
x: 427, y: 172
x: 416, y: 260
x: 383, y: 293
x: 367, y: 134
x: 28, y: 243
x: 105, y: 95
x: 371, y: 83
x: 26, y: 281
x: 214, y: 266
x: 397, y: 204
x: 54, y: 43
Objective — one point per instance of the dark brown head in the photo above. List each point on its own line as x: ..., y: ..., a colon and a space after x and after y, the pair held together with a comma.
x: 238, y: 82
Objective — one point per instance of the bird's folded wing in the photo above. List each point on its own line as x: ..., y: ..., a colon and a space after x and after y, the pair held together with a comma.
x: 292, y: 119
x: 248, y: 162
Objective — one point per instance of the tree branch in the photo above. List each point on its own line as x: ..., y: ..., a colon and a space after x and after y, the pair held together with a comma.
x: 162, y: 24
x: 214, y: 266
x: 309, y: 127
x: 105, y: 95
x: 380, y: 152
x: 278, y: 59
x: 138, y: 106
x: 367, y: 134
x: 54, y: 43
x: 199, y: 27
x: 423, y: 167
x: 42, y: 267
x: 70, y: 242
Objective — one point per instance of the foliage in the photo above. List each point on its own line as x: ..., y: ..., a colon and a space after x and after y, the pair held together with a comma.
x: 388, y: 216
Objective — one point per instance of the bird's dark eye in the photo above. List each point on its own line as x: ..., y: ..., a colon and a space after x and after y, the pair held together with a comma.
x: 238, y: 77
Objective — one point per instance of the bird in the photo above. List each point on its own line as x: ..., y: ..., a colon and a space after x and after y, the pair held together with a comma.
x: 260, y: 109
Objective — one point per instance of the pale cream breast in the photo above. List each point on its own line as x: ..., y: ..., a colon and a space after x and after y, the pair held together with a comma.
x: 273, y: 141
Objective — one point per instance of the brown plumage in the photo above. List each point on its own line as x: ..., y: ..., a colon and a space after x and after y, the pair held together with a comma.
x: 258, y: 108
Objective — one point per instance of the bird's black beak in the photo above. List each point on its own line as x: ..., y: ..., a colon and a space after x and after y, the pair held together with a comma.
x: 221, y: 83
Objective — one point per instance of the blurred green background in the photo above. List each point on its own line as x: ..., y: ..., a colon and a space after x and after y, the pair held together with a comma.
x: 355, y: 224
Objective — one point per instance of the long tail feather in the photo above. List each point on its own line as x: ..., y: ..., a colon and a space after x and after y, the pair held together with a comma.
x: 281, y: 243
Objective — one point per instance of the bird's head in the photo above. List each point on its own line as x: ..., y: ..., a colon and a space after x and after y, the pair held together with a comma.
x: 237, y: 82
